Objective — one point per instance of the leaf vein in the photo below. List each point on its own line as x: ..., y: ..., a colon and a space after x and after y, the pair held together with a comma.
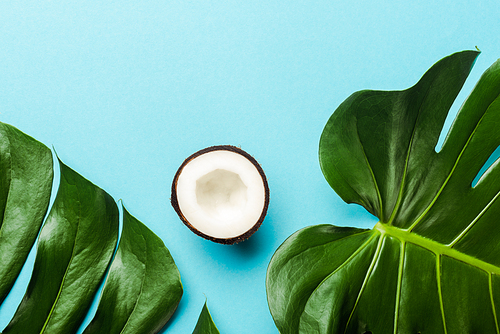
x: 490, y: 286
x: 379, y: 196
x: 407, y: 158
x: 347, y: 261
x: 424, y: 213
x: 323, y: 244
x: 440, y: 292
x: 375, y: 258
x: 399, y: 286
x: 474, y: 221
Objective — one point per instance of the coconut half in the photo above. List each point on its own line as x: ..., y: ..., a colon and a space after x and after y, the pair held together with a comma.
x: 221, y: 194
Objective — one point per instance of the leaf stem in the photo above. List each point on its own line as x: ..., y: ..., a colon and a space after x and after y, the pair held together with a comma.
x: 436, y: 247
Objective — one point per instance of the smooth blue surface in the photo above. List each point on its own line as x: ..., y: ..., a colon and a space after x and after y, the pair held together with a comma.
x: 126, y: 90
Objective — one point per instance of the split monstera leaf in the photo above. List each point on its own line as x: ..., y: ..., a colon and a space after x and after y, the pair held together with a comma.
x: 432, y: 262
x: 74, y: 250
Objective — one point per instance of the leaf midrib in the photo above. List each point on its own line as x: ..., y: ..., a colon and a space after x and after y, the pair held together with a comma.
x: 436, y: 247
x: 439, y: 250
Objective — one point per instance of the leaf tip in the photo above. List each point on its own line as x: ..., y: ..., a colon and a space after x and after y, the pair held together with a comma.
x: 57, y: 156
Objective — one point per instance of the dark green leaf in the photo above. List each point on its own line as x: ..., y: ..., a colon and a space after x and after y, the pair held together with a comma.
x: 205, y: 324
x: 25, y: 185
x: 143, y: 287
x: 432, y: 263
x: 74, y: 249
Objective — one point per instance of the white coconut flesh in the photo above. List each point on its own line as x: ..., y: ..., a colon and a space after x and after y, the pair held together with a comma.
x: 221, y: 194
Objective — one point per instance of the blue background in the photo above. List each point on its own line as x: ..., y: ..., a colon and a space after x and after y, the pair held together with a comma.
x: 126, y: 90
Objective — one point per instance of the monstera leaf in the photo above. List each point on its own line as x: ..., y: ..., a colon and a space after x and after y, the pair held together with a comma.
x: 432, y: 262
x: 74, y: 250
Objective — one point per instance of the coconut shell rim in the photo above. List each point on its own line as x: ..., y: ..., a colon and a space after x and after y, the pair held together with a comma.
x: 226, y: 241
